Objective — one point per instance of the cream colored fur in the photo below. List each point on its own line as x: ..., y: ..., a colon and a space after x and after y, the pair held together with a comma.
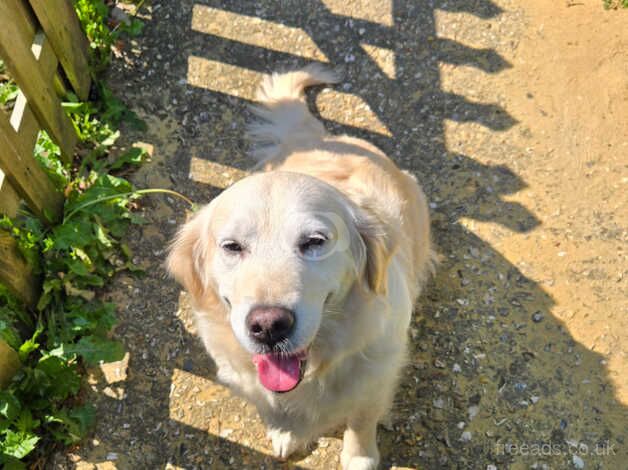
x: 352, y: 305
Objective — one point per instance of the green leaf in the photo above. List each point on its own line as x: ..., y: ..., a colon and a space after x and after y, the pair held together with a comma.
x: 85, y: 416
x: 30, y: 345
x: 8, y: 92
x: 135, y: 28
x: 78, y: 267
x: 102, y: 236
x: 11, y: 463
x: 110, y: 139
x: 9, y: 405
x: 93, y: 350
x: 133, y: 156
x: 26, y: 348
x: 72, y: 107
x: 18, y: 444
x: 65, y: 381
x: 8, y: 333
x: 73, y: 234
x: 25, y: 421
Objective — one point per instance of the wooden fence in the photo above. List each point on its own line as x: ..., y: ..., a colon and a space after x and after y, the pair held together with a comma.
x: 46, y: 53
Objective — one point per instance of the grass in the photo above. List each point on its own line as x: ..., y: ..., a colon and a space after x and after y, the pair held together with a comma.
x: 43, y: 407
x: 615, y: 4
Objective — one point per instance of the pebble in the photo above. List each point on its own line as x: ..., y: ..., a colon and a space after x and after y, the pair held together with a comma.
x: 473, y: 411
x: 490, y: 466
x: 534, y: 399
x: 226, y: 432
x: 456, y: 368
x: 120, y: 15
x: 537, y: 317
x: 465, y: 436
x: 577, y: 461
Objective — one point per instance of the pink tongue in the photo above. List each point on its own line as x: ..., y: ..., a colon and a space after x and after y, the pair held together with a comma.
x: 277, y: 373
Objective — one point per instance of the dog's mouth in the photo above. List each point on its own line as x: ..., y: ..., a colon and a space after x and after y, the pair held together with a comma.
x: 280, y: 372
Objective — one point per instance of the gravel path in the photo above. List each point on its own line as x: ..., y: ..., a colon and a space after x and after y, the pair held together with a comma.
x: 511, y: 114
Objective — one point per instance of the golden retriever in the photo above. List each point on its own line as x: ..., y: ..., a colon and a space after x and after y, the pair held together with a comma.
x: 303, y: 276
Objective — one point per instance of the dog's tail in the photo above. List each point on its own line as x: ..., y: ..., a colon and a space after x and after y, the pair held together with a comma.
x: 286, y: 123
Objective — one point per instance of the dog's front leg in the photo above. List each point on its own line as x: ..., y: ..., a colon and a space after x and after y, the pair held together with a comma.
x: 285, y: 442
x: 359, y: 445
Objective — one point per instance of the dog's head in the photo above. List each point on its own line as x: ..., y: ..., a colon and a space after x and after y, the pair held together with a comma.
x: 283, y: 251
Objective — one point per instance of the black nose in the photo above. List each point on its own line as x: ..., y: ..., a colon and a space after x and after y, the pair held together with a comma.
x: 269, y: 325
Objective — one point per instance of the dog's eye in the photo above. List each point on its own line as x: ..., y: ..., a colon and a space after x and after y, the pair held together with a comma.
x: 232, y: 247
x: 312, y: 242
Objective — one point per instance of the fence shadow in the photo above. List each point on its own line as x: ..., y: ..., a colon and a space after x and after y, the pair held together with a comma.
x: 486, y: 349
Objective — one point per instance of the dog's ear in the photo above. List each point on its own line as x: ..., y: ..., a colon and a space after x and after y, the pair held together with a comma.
x: 190, y: 253
x: 378, y: 242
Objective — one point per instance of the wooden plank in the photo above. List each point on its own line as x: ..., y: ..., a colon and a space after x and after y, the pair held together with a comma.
x: 15, y: 273
x: 9, y: 363
x: 22, y: 118
x: 61, y: 25
x: 15, y: 45
x: 43, y: 197
x: 9, y: 199
x: 45, y: 55
x: 30, y: 24
x: 25, y: 174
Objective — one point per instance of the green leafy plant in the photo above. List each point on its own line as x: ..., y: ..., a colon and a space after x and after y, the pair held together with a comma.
x: 615, y: 4
x: 69, y: 327
x: 102, y: 31
x: 8, y: 88
x: 40, y: 405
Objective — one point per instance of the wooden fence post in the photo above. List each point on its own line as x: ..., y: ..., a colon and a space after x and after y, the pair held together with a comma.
x: 64, y: 32
x: 9, y: 363
x: 15, y: 274
x: 36, y: 36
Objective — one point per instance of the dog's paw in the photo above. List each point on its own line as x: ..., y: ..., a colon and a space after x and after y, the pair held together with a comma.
x: 284, y: 443
x: 358, y: 462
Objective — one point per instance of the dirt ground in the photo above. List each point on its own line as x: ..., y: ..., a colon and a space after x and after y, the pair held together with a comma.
x: 514, y: 117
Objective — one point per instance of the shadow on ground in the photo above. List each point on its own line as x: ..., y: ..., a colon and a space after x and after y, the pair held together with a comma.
x: 489, y: 365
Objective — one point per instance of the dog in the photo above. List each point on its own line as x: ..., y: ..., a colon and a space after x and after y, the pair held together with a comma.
x: 303, y: 275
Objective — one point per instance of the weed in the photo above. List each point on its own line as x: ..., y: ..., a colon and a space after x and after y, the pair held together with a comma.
x: 615, y: 4
x: 94, y: 17
x: 68, y: 329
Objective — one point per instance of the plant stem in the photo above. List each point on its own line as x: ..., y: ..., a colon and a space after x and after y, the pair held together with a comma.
x: 132, y: 193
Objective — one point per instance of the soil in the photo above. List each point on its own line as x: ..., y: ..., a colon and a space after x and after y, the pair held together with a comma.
x: 514, y: 117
